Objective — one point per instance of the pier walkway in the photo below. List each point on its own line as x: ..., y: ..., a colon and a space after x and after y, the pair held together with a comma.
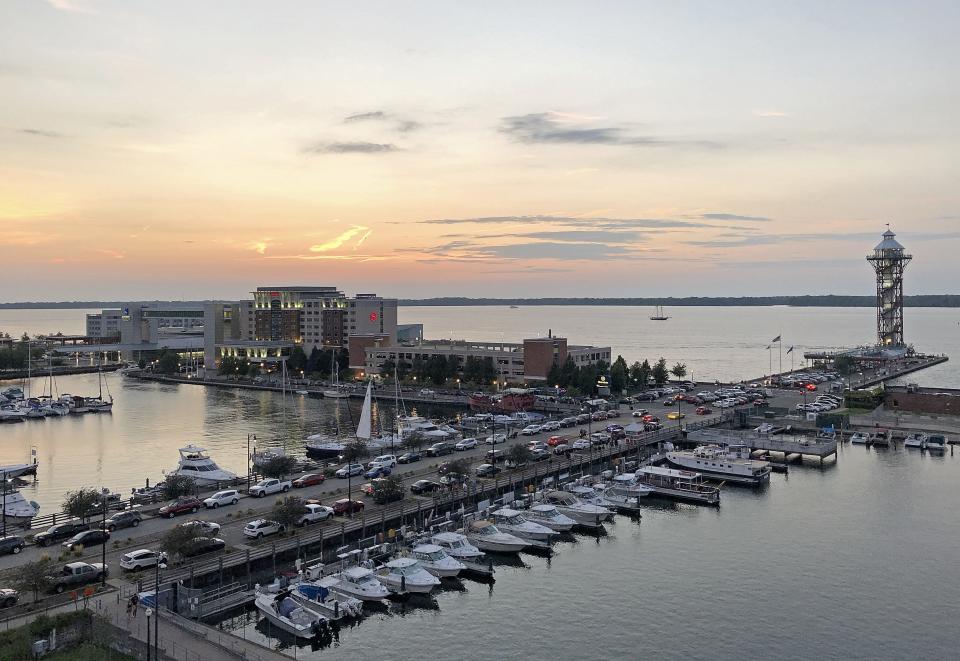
x: 789, y: 445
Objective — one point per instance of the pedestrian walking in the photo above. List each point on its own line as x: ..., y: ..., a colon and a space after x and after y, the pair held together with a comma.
x: 134, y: 604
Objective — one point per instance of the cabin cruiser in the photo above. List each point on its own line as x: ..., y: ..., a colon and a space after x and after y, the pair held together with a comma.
x: 198, y: 466
x: 314, y: 591
x: 287, y: 614
x: 457, y: 546
x: 915, y: 440
x: 678, y: 484
x: 11, y: 413
x: 436, y: 561
x: 13, y: 393
x: 359, y: 582
x: 16, y: 470
x: 936, y: 443
x: 548, y: 515
x: 591, y: 495
x: 266, y: 455
x: 625, y: 492
x: 487, y: 537
x: 413, y: 425
x: 859, y: 438
x: 406, y: 575
x: 17, y: 510
x: 582, y: 513
x: 513, y: 522
x: 730, y: 463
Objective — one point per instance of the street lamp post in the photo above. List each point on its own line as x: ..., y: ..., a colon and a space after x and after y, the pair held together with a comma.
x: 156, y: 602
x: 148, y: 612
x: 4, y: 503
x: 250, y: 437
x: 103, y: 547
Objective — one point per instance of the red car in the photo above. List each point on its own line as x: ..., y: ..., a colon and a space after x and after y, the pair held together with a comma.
x: 703, y: 410
x: 554, y: 441
x: 811, y: 386
x: 650, y: 418
x: 345, y: 505
x: 181, y: 506
x: 309, y: 480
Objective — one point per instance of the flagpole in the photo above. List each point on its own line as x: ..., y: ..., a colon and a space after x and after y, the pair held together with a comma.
x: 780, y: 349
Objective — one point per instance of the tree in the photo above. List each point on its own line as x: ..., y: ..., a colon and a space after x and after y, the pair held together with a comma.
x: 168, y: 363
x: 175, y: 486
x: 659, y: 372
x: 297, y: 360
x: 415, y: 440
x: 844, y: 364
x: 178, y: 538
x: 36, y: 576
x: 277, y: 467
x: 619, y: 373
x: 253, y: 370
x: 314, y: 362
x: 518, y: 455
x: 679, y: 370
x: 640, y: 373
x: 457, y: 467
x: 81, y: 503
x: 388, y: 490
x: 288, y: 510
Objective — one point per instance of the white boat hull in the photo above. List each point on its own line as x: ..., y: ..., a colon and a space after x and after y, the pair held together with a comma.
x: 409, y: 586
x: 586, y: 517
x: 307, y: 629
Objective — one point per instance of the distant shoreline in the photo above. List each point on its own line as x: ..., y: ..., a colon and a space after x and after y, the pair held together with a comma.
x: 832, y: 301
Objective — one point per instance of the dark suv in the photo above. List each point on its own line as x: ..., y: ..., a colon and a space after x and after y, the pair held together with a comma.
x: 200, y: 545
x: 440, y: 449
x: 59, y: 532
x: 128, y: 519
x: 11, y: 544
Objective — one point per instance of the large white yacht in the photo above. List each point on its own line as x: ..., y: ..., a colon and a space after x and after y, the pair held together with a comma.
x: 513, y: 522
x: 730, y: 463
x: 360, y: 582
x: 583, y: 513
x: 198, y: 466
x: 411, y: 425
x: 18, y: 510
x: 406, y: 575
x: 486, y: 536
x: 436, y: 561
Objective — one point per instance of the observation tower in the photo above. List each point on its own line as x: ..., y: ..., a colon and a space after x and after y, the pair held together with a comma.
x: 889, y: 260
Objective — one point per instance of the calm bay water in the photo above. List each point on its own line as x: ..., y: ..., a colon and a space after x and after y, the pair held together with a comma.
x: 852, y: 561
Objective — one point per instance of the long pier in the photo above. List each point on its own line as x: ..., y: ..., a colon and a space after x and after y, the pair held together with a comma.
x: 789, y: 445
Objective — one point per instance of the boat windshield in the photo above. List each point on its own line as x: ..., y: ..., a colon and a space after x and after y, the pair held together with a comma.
x: 515, y: 520
x: 432, y: 555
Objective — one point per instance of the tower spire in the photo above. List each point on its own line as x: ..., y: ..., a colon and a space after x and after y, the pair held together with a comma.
x: 888, y: 261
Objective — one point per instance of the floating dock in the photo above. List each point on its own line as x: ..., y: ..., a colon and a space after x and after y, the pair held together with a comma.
x: 794, y: 448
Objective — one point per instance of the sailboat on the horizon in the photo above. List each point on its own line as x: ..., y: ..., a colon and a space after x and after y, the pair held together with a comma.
x: 658, y: 315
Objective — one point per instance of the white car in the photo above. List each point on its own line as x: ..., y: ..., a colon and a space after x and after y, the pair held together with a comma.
x: 207, y: 528
x: 551, y: 425
x: 466, y: 444
x: 536, y: 445
x: 383, y: 461
x: 426, y: 392
x: 141, y: 559
x: 530, y: 430
x: 581, y: 444
x: 262, y: 527
x: 226, y: 497
x: 496, y: 438
x: 315, y: 514
x: 350, y: 469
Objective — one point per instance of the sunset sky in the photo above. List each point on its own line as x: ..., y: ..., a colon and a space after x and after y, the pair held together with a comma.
x: 200, y: 149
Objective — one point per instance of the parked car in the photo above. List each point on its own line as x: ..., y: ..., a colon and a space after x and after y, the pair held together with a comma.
x: 202, y: 545
x: 496, y: 438
x: 314, y: 514
x: 540, y: 454
x: 345, y: 506
x: 486, y: 470
x: 87, y: 538
x: 675, y: 415
x: 580, y: 444
x: 466, y: 444
x: 11, y: 544
x: 59, y: 532
x: 350, y: 470
x: 703, y: 410
x: 267, y: 487
x: 530, y: 430
x: 204, y: 528
x: 8, y: 597
x: 180, y: 506
x: 493, y: 456
x: 554, y: 441
x: 561, y: 449
x: 141, y: 559
x: 128, y: 519
x: 383, y: 461
x: 424, y: 486
x: 568, y: 422
x: 426, y: 392
x: 262, y: 527
x: 409, y: 457
x: 550, y: 425
x: 377, y: 471
x: 439, y: 449
x: 308, y: 480
x: 225, y: 497
x: 78, y: 573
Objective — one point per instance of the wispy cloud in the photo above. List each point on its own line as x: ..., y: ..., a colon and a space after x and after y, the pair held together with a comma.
x: 350, y: 148
x: 375, y: 116
x: 42, y: 133
x: 560, y: 128
x: 260, y: 246
x: 573, y: 221
x: 72, y: 6
x: 399, y: 124
x: 734, y: 216
x: 115, y: 254
x: 341, y: 238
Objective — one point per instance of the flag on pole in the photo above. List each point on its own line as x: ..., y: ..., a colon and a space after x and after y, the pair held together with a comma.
x: 776, y: 339
x: 768, y: 346
x: 790, y: 350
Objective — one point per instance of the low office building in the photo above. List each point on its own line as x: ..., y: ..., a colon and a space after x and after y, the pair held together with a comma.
x: 104, y: 324
x: 530, y: 360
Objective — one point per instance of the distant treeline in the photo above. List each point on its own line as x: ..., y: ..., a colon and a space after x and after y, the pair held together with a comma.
x: 919, y: 301
x: 828, y: 301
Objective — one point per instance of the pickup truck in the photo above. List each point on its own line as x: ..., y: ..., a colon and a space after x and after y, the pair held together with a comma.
x: 314, y: 514
x: 267, y: 487
x: 78, y: 573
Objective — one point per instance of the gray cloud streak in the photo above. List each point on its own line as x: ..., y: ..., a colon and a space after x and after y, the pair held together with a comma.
x: 350, y: 148
x: 42, y: 133
x: 544, y: 128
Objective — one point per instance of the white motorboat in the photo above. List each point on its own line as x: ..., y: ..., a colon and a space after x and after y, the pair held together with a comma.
x: 458, y: 546
x: 730, y: 463
x: 406, y: 575
x: 287, y: 614
x: 359, y: 582
x: 625, y: 492
x: 592, y: 495
x: 13, y: 393
x: 261, y: 457
x: 198, y: 466
x: 16, y: 470
x: 859, y: 438
x: 315, y: 591
x: 582, y: 513
x: 18, y: 510
x: 413, y: 425
x: 548, y: 515
x: 915, y: 440
x: 11, y: 413
x: 436, y: 561
x: 936, y: 443
x: 487, y: 537
x: 513, y: 522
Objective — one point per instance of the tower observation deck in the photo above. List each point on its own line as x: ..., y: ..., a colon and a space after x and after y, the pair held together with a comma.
x: 889, y: 260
